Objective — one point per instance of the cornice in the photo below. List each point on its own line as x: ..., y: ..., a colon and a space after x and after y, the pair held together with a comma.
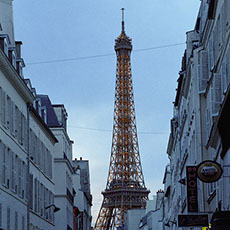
x: 17, y: 81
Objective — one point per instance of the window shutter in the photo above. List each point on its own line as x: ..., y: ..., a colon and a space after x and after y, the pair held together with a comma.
x: 23, y: 222
x: 31, y: 191
x: 16, y: 122
x: 19, y: 120
x: 35, y: 195
x: 3, y: 107
x: 224, y: 77
x: 211, y: 54
x: 203, y: 71
x: 45, y: 203
x: 4, y: 173
x: 0, y: 215
x: 8, y: 218
x: 12, y: 121
x: 223, y: 16
x: 16, y: 221
x: 8, y: 114
x: 208, y: 116
x: 24, y: 174
x: 41, y: 199
x: 38, y: 145
x: 216, y: 94
x: 39, y: 195
x: 12, y: 171
x: 1, y: 96
x: 19, y: 177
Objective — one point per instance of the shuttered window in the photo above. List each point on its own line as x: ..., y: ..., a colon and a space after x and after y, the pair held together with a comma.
x: 211, y: 54
x: 203, y: 72
x: 0, y: 215
x: 8, y: 220
x: 35, y: 195
x: 216, y: 94
x: 9, y: 115
x: 13, y: 171
x: 16, y: 221
x: 208, y: 116
x: 20, y: 177
x: 23, y: 222
x: 3, y: 150
x: 19, y: 127
x: 12, y: 118
x: 3, y: 107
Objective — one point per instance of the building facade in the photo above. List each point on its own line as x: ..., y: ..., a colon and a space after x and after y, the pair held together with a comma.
x: 26, y: 142
x: 83, y: 197
x: 63, y: 169
x: 199, y: 127
x: 36, y: 172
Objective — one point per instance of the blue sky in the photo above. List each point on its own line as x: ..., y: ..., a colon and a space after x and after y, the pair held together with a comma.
x: 56, y: 30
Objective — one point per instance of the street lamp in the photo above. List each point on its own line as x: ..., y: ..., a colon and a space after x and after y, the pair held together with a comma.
x: 56, y: 209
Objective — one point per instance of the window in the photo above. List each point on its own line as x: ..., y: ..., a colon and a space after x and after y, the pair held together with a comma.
x: 42, y: 200
x: 16, y: 121
x: 3, y: 107
x: 12, y: 118
x: 19, y: 128
x: 4, y: 162
x: 0, y: 215
x: 35, y: 195
x: 31, y: 191
x: 19, y: 166
x: 13, y: 171
x: 16, y: 221
x: 8, y: 112
x: 203, y: 70
x: 8, y: 218
x: 24, y: 179
x: 23, y: 222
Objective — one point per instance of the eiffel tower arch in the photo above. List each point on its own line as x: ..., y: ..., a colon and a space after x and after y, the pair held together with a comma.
x: 125, y: 188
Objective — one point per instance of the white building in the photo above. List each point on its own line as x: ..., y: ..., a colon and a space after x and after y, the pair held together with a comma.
x: 153, y: 218
x: 199, y: 128
x: 26, y: 142
x: 150, y: 218
x: 83, y: 197
x: 14, y: 96
x: 63, y: 170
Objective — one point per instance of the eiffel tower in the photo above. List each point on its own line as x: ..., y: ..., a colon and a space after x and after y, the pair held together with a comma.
x: 125, y: 188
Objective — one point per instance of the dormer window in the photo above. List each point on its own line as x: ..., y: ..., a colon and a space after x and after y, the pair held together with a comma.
x: 4, y: 41
x: 44, y: 114
x: 19, y: 66
x: 12, y: 57
x: 37, y: 106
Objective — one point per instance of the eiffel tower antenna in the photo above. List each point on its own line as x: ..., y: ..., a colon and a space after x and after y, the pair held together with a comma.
x: 125, y: 188
x: 123, y: 20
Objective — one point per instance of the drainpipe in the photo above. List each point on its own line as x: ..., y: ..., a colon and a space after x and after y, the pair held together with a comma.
x: 28, y: 167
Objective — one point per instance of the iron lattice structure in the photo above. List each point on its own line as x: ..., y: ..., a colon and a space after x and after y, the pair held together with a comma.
x: 125, y: 188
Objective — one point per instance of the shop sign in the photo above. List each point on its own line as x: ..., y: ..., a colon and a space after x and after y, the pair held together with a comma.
x: 191, y: 173
x: 193, y: 220
x: 209, y: 171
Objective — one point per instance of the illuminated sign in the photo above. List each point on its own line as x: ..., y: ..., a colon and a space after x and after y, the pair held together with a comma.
x: 191, y: 173
x: 209, y: 171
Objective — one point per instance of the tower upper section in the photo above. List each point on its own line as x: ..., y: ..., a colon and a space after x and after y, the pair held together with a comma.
x: 123, y: 42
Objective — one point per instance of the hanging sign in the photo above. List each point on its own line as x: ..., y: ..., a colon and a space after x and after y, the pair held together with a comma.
x: 192, y: 220
x: 209, y: 171
x: 191, y: 173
